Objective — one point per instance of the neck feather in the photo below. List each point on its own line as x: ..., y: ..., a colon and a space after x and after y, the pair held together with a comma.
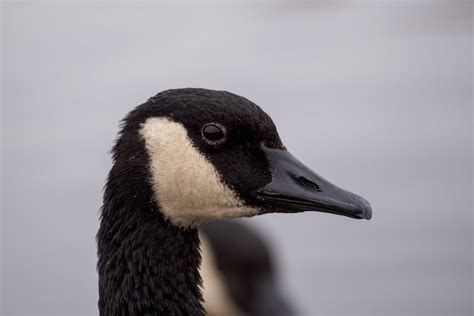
x: 146, y: 266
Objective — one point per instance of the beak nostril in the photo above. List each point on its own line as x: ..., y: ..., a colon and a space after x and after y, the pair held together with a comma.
x: 308, y: 184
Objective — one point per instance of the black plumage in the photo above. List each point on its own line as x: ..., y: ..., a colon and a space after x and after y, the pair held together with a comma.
x: 146, y: 264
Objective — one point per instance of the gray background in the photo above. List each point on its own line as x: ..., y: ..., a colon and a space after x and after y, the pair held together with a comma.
x: 374, y: 95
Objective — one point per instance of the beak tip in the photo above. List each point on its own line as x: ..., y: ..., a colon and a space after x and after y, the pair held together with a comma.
x: 366, y: 209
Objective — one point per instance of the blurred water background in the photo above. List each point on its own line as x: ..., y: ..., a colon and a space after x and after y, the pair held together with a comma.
x: 374, y: 95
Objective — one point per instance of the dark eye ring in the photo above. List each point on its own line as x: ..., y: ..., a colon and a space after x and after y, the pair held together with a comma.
x: 214, y: 133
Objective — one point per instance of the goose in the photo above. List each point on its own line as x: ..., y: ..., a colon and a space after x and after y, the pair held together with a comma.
x: 185, y: 157
x: 238, y: 271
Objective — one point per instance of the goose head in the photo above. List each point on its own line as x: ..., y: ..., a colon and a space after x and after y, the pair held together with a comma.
x: 212, y: 155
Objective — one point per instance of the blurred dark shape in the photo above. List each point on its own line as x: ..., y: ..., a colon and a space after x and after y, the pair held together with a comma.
x: 245, y: 263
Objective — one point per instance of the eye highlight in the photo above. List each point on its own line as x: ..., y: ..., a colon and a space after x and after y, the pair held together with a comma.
x: 214, y: 133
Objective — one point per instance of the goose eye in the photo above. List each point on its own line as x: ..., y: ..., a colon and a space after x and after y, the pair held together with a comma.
x: 214, y: 133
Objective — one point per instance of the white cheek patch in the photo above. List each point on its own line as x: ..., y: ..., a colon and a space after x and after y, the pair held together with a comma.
x: 186, y: 185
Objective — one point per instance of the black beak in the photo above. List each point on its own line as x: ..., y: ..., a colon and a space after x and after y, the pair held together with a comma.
x: 297, y: 188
